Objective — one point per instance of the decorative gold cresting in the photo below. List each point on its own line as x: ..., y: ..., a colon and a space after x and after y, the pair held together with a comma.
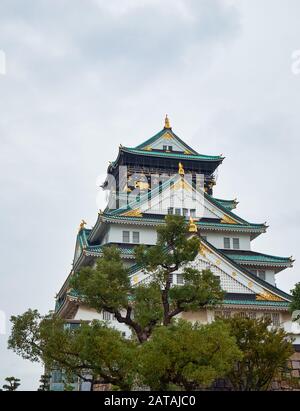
x: 167, y: 122
x: 192, y: 226
x: 228, y: 220
x: 133, y: 213
x: 180, y: 169
x: 266, y: 296
x: 82, y: 225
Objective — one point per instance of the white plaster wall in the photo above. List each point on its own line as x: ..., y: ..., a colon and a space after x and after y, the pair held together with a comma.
x: 148, y: 235
x: 85, y: 313
x: 217, y: 239
x: 270, y: 277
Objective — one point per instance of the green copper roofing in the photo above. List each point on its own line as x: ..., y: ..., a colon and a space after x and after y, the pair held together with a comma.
x: 228, y: 204
x: 257, y: 302
x: 179, y: 156
x: 258, y: 257
x: 157, y: 136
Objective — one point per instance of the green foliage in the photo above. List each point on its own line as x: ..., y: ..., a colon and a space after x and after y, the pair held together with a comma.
x: 107, y: 287
x: 295, y: 304
x: 92, y: 348
x: 44, y: 383
x: 12, y: 384
x: 265, y: 351
x: 187, y: 355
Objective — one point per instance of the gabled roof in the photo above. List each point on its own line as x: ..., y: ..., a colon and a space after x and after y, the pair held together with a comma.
x: 137, y: 204
x: 176, y: 155
x: 272, y: 292
x: 160, y: 134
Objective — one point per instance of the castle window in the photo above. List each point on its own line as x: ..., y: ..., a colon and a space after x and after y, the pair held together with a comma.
x: 261, y: 274
x: 170, y: 148
x: 171, y: 278
x: 136, y: 237
x: 185, y: 212
x: 177, y: 211
x: 180, y: 279
x: 236, y: 243
x: 126, y: 236
x: 165, y: 148
x: 226, y: 242
x: 170, y: 210
x: 193, y: 212
x: 106, y: 316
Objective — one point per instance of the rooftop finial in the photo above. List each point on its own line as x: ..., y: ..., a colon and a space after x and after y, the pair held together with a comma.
x: 82, y: 225
x: 167, y: 122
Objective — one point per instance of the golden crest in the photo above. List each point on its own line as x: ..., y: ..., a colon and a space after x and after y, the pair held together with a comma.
x: 268, y: 297
x: 133, y: 213
x: 228, y: 220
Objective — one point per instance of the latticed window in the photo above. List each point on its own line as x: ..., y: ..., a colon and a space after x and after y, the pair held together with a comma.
x: 106, y: 316
x: 171, y: 278
x: 236, y: 243
x: 275, y: 317
x: 126, y: 236
x: 180, y: 279
x: 226, y: 242
x: 261, y: 274
x: 136, y: 237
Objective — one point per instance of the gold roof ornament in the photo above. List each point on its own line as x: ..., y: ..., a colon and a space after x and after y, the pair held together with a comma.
x: 82, y: 225
x: 192, y: 226
x: 167, y: 122
x: 180, y: 169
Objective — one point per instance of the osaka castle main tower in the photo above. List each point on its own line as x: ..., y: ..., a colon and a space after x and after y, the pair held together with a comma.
x: 160, y: 176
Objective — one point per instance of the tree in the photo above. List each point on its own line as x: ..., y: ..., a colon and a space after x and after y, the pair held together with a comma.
x: 295, y: 304
x: 93, y: 352
x: 12, y: 384
x: 97, y: 353
x: 44, y: 383
x: 108, y: 287
x: 265, y: 349
x: 186, y: 356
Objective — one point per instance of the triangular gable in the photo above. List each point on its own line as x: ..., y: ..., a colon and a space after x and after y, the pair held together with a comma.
x: 166, y: 137
x: 178, y: 192
x: 233, y: 279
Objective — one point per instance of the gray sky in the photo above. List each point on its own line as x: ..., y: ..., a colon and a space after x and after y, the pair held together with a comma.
x: 83, y: 76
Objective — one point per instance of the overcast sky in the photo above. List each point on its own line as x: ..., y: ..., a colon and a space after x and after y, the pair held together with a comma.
x: 83, y: 76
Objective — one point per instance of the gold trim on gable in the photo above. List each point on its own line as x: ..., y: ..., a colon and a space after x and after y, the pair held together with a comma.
x: 133, y: 213
x: 168, y: 136
x: 268, y: 297
x: 228, y: 220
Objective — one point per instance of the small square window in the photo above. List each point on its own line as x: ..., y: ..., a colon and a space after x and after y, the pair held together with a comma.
x: 261, y: 274
x: 193, y: 212
x: 180, y: 279
x: 165, y: 148
x: 178, y: 211
x: 236, y: 243
x: 170, y: 148
x: 126, y: 237
x: 170, y: 210
x: 106, y: 316
x: 136, y: 237
x: 185, y: 212
x: 226, y: 242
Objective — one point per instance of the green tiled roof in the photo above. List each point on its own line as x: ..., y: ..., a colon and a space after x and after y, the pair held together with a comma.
x: 257, y: 257
x: 201, y: 224
x: 228, y: 204
x: 157, y: 136
x: 257, y: 302
x: 179, y: 156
